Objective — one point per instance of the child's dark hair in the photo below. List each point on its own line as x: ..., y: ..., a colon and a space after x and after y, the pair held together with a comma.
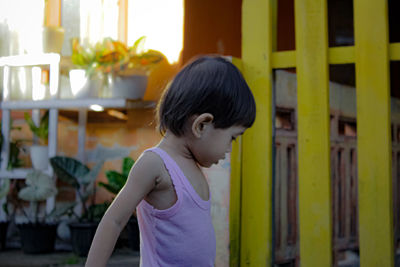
x: 209, y: 84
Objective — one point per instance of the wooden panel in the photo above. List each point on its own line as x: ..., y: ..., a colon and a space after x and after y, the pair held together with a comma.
x: 313, y: 133
x: 373, y: 133
x: 256, y: 227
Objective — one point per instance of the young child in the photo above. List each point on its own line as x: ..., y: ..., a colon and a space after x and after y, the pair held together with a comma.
x: 206, y: 107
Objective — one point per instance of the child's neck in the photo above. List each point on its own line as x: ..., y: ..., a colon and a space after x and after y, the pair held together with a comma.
x: 176, y: 146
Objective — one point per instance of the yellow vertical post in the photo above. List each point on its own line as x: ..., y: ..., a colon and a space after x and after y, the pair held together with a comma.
x: 256, y: 215
x: 235, y: 204
x: 235, y: 194
x: 373, y: 133
x: 313, y: 132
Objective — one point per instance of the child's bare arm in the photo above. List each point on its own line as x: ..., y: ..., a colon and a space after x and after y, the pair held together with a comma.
x: 140, y: 182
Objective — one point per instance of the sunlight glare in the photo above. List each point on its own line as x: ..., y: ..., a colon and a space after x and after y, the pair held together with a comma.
x: 161, y: 22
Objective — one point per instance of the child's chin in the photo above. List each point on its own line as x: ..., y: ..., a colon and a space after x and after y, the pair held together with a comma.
x: 207, y: 165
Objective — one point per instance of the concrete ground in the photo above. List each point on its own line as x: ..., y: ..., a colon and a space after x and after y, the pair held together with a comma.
x: 122, y: 257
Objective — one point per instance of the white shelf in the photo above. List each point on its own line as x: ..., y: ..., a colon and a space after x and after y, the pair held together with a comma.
x: 20, y: 173
x: 76, y: 103
x: 54, y: 105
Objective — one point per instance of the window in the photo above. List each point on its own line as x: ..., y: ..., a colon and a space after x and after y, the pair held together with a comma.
x: 20, y: 28
x: 161, y: 22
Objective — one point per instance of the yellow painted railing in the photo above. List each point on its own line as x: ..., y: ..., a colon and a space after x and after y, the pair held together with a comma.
x: 313, y: 132
x: 256, y: 218
x: 251, y: 211
x: 373, y: 133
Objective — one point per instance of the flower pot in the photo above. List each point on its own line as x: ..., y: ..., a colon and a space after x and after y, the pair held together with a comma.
x: 83, y: 86
x: 39, y: 157
x: 37, y: 238
x: 82, y: 235
x: 129, y: 87
x: 134, y: 234
x: 3, y: 234
x: 52, y: 39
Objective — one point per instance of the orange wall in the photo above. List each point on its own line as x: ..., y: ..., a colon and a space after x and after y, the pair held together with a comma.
x: 212, y: 27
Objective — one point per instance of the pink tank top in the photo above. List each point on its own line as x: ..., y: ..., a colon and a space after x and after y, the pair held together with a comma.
x: 182, y: 235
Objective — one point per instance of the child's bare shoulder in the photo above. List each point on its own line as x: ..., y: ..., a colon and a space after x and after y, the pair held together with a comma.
x: 149, y: 162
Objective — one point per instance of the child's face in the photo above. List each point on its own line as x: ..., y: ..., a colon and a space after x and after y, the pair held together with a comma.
x: 215, y: 143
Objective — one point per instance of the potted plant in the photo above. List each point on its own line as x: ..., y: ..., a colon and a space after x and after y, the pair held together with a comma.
x: 39, y: 153
x: 4, y: 188
x: 116, y: 180
x: 15, y: 148
x: 124, y: 69
x: 86, y: 215
x: 39, y: 233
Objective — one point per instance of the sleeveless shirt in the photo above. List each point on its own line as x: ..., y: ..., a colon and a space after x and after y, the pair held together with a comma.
x: 182, y: 235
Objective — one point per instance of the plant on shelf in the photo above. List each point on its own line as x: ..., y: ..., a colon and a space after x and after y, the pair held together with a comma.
x: 116, y: 180
x: 41, y: 131
x: 39, y: 153
x: 112, y: 56
x: 121, y: 66
x: 38, y: 235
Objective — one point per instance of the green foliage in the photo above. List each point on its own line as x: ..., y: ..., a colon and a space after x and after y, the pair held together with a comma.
x: 95, y: 212
x: 112, y: 56
x: 39, y: 187
x: 117, y: 180
x: 4, y: 187
x: 79, y: 176
x: 41, y: 131
x: 15, y: 147
x: 14, y: 161
x: 73, y: 260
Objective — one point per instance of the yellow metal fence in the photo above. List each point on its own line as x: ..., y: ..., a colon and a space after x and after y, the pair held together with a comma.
x: 251, y: 194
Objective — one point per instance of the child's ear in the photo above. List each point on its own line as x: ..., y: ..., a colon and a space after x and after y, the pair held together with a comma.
x: 200, y: 122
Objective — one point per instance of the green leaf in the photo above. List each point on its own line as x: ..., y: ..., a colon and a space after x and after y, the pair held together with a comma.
x: 39, y: 187
x: 110, y: 188
x: 57, y: 212
x: 41, y: 131
x: 116, y: 178
x: 127, y: 165
x: 69, y: 170
x: 4, y: 188
x: 14, y: 161
x: 139, y: 44
x: 96, y: 211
